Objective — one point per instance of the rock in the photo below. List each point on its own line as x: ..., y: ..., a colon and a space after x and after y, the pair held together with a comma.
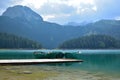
x: 7, y: 68
x: 19, y: 73
x: 27, y: 72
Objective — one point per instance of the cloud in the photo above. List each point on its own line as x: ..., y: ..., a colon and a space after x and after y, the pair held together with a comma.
x: 107, y: 8
x: 55, y: 10
x: 33, y: 3
x: 94, y: 8
x: 50, y: 8
x: 47, y: 17
x: 56, y: 18
x: 117, y: 18
x: 63, y: 11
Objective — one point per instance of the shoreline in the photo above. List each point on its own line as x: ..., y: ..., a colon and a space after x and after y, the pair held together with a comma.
x: 45, y: 72
x: 55, y: 49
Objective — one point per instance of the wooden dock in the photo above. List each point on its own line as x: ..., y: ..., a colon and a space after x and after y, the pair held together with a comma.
x: 36, y: 61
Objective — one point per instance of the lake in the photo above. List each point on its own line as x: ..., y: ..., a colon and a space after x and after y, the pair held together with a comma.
x: 97, y: 65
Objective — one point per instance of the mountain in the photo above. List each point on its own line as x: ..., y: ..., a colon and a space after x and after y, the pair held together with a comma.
x: 91, y: 42
x: 22, y: 21
x: 22, y: 12
x: 108, y: 27
x: 12, y: 41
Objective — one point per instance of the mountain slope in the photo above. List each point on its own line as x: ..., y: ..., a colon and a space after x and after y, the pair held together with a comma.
x: 22, y: 11
x: 50, y: 35
x: 108, y: 27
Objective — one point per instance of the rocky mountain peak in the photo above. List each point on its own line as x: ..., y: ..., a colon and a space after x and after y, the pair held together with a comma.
x: 22, y: 12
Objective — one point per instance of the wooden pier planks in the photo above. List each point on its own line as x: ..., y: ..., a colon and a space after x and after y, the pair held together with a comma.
x: 37, y: 61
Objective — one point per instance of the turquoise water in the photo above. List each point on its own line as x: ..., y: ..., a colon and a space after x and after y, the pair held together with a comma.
x: 97, y: 65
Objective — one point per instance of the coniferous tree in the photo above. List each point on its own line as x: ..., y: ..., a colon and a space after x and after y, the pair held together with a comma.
x: 91, y: 42
x: 12, y: 41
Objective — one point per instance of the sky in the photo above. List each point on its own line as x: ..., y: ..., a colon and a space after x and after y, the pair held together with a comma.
x: 64, y: 11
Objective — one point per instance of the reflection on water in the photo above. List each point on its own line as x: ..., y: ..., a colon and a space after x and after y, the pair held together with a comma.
x: 97, y: 65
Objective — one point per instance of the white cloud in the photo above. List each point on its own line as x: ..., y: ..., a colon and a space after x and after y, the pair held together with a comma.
x: 33, y: 3
x: 74, y: 3
x: 69, y: 10
x: 94, y: 8
x: 77, y: 3
x: 60, y: 10
x: 117, y: 18
x: 47, y: 17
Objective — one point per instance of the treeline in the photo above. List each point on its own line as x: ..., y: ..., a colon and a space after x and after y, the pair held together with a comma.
x: 91, y: 42
x: 12, y: 41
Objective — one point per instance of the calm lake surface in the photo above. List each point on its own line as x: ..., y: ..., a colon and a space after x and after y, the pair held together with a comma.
x: 97, y: 65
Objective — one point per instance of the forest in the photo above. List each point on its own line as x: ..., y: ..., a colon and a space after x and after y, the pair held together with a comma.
x: 91, y: 42
x: 12, y: 41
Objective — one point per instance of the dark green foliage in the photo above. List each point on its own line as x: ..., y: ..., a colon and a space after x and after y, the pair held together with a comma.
x: 91, y: 42
x: 12, y: 41
x: 48, y: 55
